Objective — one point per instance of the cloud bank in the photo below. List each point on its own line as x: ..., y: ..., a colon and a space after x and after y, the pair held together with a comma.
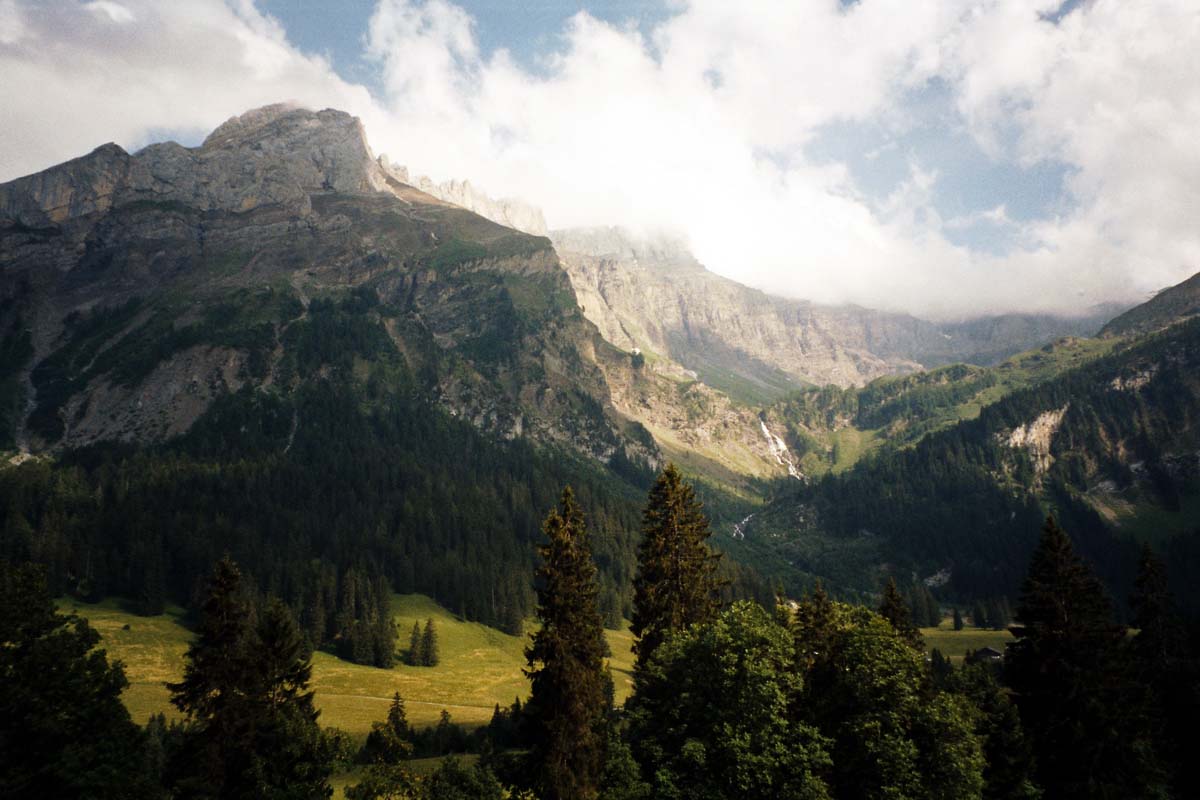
x: 704, y: 126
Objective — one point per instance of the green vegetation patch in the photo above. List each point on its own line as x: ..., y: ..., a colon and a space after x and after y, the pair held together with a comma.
x: 479, y: 667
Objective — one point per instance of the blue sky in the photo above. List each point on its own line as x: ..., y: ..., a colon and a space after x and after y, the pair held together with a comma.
x: 943, y: 157
x: 528, y: 29
x: 969, y: 181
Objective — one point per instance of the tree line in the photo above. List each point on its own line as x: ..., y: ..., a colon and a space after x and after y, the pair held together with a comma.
x: 813, y: 699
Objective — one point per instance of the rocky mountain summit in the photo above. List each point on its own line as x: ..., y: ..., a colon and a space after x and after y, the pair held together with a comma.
x: 277, y: 155
x: 136, y: 290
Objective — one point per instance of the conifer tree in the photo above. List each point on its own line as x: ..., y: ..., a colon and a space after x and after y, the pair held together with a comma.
x: 979, y: 615
x: 64, y: 732
x: 291, y: 757
x: 1076, y: 695
x: 388, y: 746
x: 416, y: 653
x: 252, y: 725
x: 390, y: 741
x: 1008, y: 754
x: 429, y: 645
x: 958, y: 620
x: 676, y: 584
x: 893, y: 608
x: 1165, y: 667
x: 566, y: 710
x: 933, y: 610
x: 813, y: 627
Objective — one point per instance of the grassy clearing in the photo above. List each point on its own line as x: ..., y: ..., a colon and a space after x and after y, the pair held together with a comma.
x: 954, y: 644
x: 479, y: 667
x: 850, y: 445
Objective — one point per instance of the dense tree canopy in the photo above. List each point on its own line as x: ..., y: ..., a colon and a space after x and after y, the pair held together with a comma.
x: 711, y: 719
x: 63, y: 730
x: 866, y: 689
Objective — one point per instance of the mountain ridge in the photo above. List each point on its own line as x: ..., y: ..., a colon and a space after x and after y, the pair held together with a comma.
x: 287, y: 204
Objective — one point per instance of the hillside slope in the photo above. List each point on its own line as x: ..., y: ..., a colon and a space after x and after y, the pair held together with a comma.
x: 652, y: 294
x: 1112, y: 447
x: 1169, y: 306
x: 149, y: 285
x: 269, y: 346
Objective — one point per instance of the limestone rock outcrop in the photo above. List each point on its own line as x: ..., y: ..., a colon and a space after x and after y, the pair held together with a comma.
x: 652, y: 293
x: 506, y: 211
x: 277, y: 155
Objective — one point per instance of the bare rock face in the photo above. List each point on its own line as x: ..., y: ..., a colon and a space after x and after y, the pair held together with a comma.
x: 84, y: 185
x: 277, y: 155
x: 509, y: 212
x: 654, y: 295
x: 144, y: 287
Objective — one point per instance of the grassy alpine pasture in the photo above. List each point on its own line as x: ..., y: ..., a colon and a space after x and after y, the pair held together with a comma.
x: 479, y: 667
x: 954, y: 644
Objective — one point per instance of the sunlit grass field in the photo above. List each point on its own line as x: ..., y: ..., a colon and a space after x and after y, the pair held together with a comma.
x: 479, y: 667
x: 954, y: 644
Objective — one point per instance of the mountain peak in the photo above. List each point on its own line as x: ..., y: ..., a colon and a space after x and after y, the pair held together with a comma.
x: 275, y: 155
x: 241, y: 125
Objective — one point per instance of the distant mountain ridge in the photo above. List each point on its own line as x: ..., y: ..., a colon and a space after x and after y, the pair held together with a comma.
x: 1169, y: 306
x: 654, y: 295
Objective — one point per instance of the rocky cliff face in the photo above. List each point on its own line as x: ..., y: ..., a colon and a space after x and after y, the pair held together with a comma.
x: 507, y: 211
x: 273, y: 156
x: 655, y: 296
x: 138, y: 289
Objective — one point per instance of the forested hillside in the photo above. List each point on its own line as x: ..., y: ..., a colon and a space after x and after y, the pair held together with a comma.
x: 269, y: 347
x: 1110, y: 446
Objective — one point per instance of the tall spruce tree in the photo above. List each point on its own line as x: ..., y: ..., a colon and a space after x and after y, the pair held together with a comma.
x: 566, y: 712
x: 64, y: 732
x: 676, y: 584
x: 813, y: 627
x: 1167, y: 668
x: 416, y: 651
x: 894, y: 609
x: 252, y: 728
x: 429, y: 645
x: 1008, y: 753
x: 1073, y: 686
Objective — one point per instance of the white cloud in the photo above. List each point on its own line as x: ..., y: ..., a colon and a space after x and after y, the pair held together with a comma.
x: 700, y: 125
x: 12, y: 23
x: 114, y: 12
x: 74, y: 80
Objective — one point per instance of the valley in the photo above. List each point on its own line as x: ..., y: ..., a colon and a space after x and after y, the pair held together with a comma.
x: 451, y: 400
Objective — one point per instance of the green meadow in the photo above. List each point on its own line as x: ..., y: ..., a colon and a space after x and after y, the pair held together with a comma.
x: 479, y: 667
x: 954, y: 644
